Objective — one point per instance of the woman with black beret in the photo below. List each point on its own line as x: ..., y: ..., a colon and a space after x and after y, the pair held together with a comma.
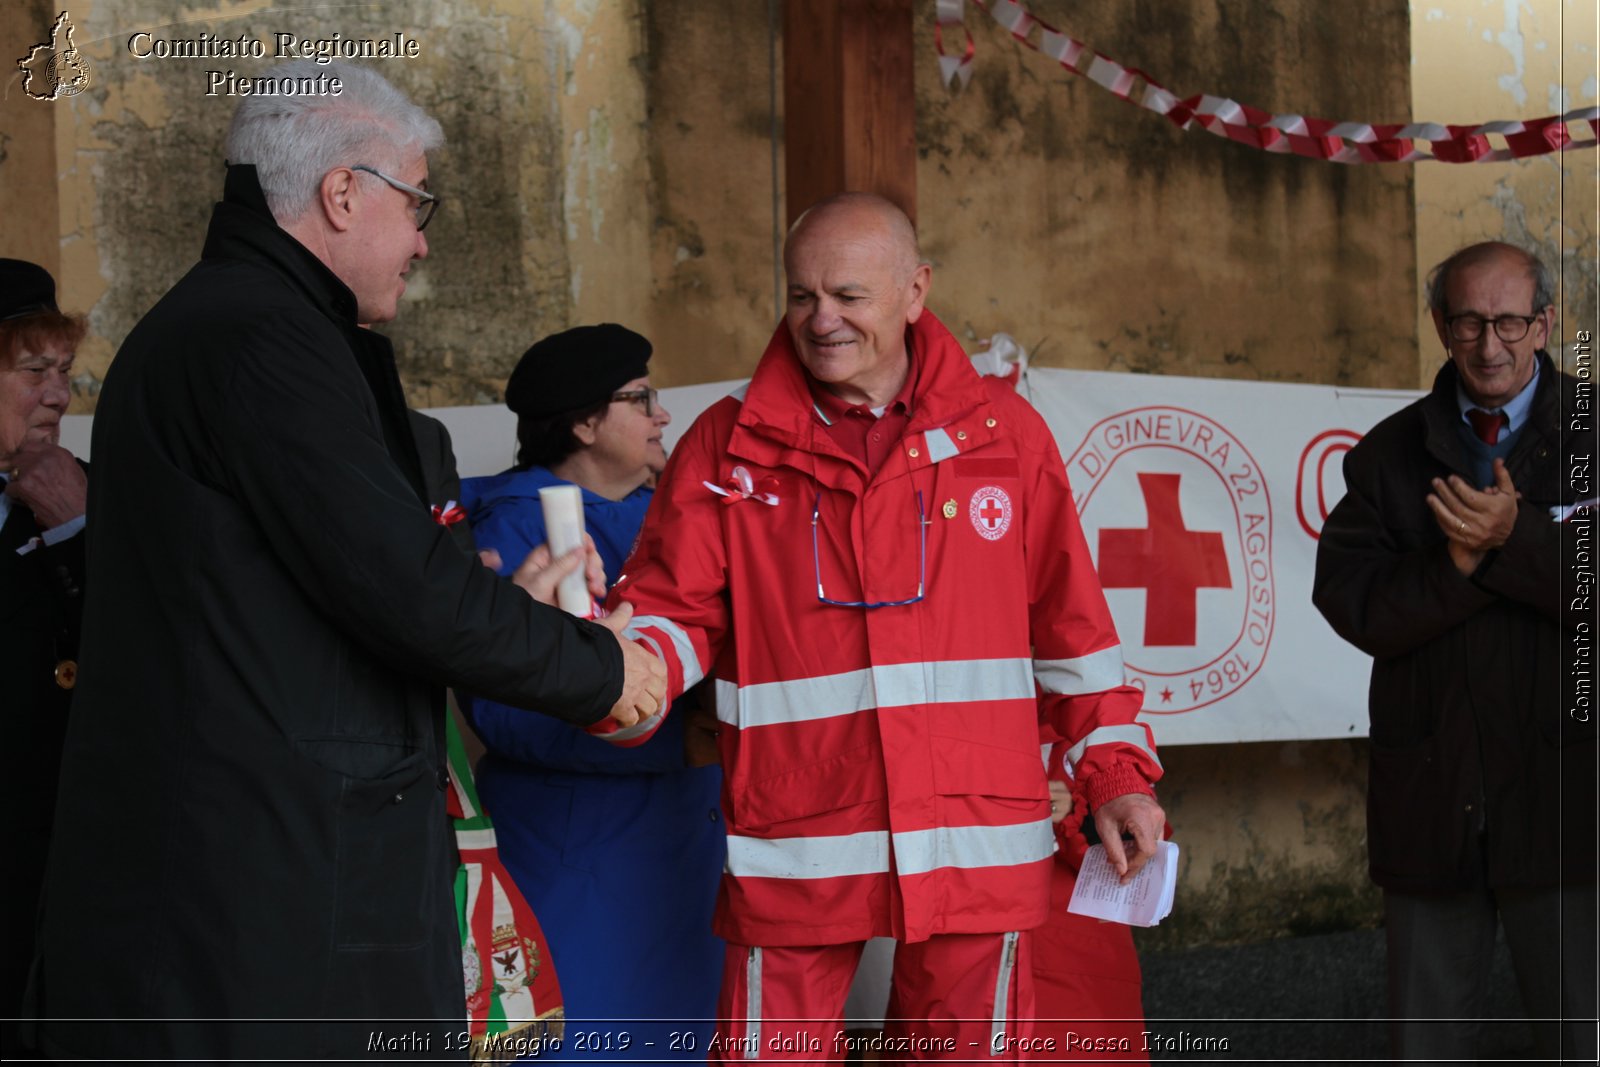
x: 618, y: 850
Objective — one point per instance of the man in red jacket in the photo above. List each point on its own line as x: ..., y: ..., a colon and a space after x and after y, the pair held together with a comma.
x: 875, y: 555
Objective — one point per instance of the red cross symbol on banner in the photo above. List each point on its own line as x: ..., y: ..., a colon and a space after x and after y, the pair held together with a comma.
x: 1169, y: 561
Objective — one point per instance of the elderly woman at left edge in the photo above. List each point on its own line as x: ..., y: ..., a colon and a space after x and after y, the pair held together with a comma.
x: 41, y: 594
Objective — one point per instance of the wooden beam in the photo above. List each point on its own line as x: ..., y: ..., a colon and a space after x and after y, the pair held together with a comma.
x: 849, y: 101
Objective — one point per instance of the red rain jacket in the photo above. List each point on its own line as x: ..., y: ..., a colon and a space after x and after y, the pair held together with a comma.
x: 881, y: 766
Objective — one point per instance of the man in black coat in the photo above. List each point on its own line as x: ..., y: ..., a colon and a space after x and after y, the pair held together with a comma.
x: 251, y: 822
x: 1446, y: 561
x: 42, y: 491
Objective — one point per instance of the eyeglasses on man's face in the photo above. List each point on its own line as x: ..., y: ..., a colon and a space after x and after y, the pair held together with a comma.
x: 645, y: 396
x: 427, y: 203
x: 1509, y: 328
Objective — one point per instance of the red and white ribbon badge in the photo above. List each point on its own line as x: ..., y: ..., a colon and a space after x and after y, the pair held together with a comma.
x: 740, y: 486
x: 450, y: 514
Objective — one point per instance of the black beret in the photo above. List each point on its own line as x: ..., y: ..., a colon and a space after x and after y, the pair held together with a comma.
x: 25, y: 289
x: 576, y: 369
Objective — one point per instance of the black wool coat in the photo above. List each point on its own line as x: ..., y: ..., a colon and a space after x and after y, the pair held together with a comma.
x: 41, y: 611
x: 251, y: 821
x: 1478, y: 765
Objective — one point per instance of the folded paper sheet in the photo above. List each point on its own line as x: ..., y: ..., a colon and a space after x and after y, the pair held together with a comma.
x: 1144, y: 901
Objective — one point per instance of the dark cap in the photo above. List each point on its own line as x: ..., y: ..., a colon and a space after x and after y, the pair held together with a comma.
x: 576, y: 369
x: 25, y: 289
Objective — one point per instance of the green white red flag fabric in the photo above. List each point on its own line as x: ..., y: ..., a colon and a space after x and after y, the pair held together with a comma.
x: 513, y: 997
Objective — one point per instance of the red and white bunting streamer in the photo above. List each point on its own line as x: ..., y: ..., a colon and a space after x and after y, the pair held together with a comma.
x: 1336, y: 142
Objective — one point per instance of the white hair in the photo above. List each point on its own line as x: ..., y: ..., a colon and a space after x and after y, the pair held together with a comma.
x: 295, y: 138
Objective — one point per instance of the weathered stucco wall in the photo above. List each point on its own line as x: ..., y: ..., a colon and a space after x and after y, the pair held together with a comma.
x: 1111, y: 240
x: 712, y: 121
x: 605, y: 206
x: 1477, y: 60
x: 547, y: 221
x: 28, y: 209
x: 614, y: 160
x: 1272, y: 842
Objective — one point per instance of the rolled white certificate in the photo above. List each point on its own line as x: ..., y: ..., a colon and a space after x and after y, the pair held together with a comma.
x: 563, y: 529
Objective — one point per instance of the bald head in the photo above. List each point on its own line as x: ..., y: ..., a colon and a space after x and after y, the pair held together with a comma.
x: 868, y: 215
x: 855, y: 284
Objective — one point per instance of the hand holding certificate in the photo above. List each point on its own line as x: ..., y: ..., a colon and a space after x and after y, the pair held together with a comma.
x: 1145, y: 900
x: 577, y: 590
x: 563, y: 529
x: 539, y: 574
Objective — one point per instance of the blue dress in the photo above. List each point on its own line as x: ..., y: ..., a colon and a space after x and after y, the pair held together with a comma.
x: 618, y: 850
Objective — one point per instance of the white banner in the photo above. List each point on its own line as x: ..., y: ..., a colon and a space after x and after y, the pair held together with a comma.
x: 1201, y: 500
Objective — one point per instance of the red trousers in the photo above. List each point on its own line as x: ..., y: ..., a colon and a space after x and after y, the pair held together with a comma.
x: 965, y: 996
x: 1086, y: 983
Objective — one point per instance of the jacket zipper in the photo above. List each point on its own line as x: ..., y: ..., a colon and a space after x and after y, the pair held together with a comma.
x: 1002, y: 992
x: 752, y: 1004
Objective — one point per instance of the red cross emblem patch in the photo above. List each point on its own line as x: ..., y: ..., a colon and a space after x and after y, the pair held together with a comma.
x: 990, y: 512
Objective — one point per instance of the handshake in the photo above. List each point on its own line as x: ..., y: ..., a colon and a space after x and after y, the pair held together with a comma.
x: 644, y: 678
